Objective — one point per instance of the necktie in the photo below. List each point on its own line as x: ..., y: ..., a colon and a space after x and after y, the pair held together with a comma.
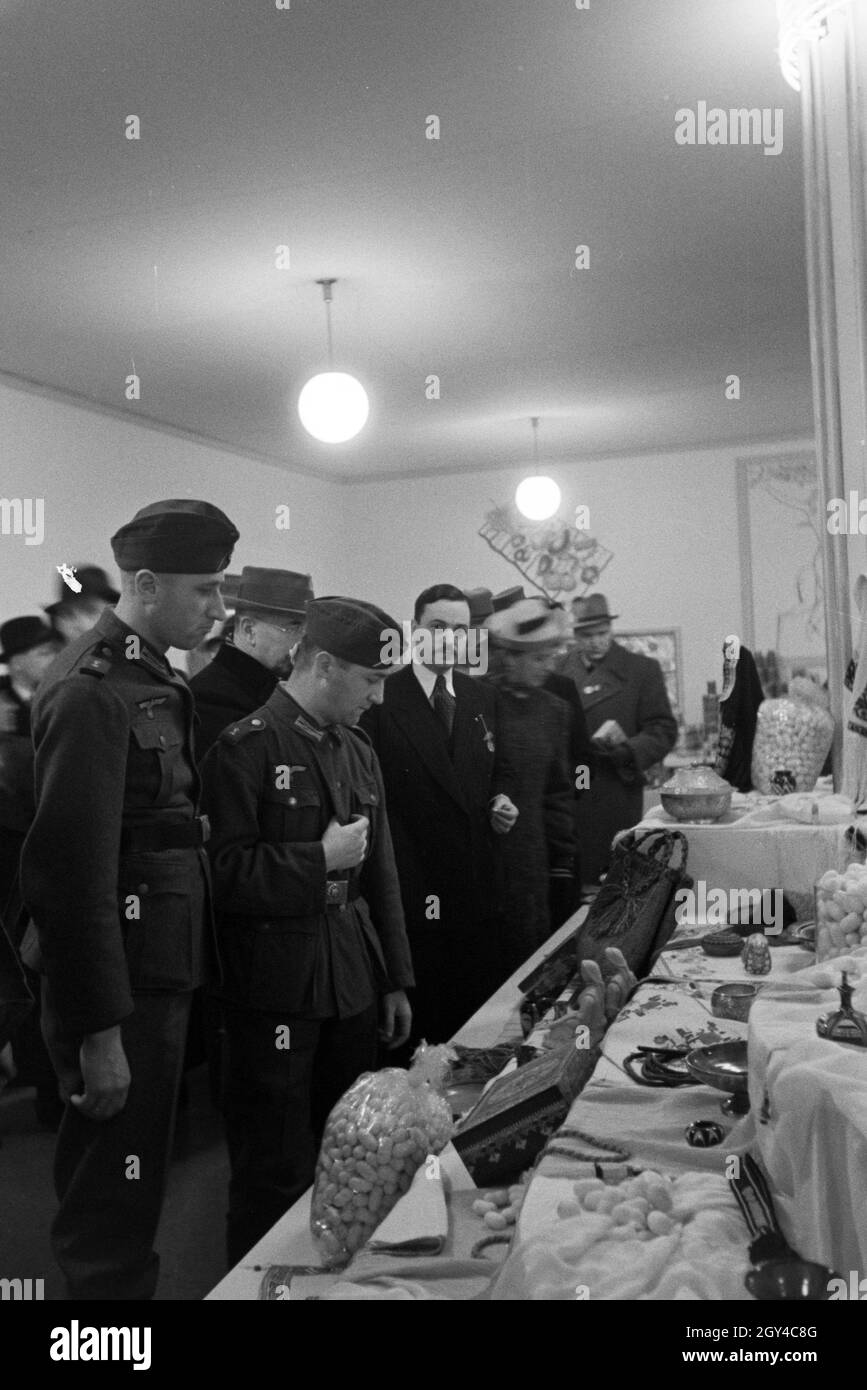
x: 443, y: 704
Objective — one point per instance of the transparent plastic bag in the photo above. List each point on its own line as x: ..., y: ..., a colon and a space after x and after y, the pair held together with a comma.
x: 377, y: 1136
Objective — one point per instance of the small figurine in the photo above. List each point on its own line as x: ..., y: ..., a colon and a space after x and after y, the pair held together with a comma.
x: 756, y: 955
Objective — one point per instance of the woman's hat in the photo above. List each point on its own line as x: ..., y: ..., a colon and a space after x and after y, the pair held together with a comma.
x: 530, y: 625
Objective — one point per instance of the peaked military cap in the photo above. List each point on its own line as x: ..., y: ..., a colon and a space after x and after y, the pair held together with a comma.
x: 178, y: 536
x: 355, y: 631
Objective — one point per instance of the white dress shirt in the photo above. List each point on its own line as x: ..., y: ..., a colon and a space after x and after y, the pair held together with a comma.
x: 427, y: 679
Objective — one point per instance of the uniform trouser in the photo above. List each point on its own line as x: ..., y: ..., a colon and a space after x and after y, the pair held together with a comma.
x: 104, y: 1232
x: 276, y: 1102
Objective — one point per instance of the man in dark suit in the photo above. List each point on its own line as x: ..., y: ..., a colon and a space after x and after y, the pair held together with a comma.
x: 311, y: 928
x: 269, y: 623
x: 629, y: 718
x: 447, y: 795
x: 114, y: 876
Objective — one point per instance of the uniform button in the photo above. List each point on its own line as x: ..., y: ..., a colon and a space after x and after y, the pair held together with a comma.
x: 257, y: 723
x: 162, y: 740
x: 338, y: 785
x: 143, y: 888
x: 293, y: 801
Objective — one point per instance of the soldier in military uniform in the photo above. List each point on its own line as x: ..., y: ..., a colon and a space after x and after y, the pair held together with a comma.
x: 115, y: 878
x: 310, y: 922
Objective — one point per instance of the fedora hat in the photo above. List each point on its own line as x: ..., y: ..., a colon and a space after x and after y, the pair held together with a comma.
x: 22, y: 635
x: 277, y: 591
x: 529, y: 625
x: 94, y: 584
x: 587, y: 612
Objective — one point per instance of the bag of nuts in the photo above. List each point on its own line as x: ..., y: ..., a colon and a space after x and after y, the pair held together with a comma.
x: 376, y: 1137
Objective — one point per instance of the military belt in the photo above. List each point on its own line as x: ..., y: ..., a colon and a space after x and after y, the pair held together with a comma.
x: 340, y: 891
x: 145, y: 839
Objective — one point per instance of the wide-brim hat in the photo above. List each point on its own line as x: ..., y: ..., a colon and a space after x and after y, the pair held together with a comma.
x: 276, y: 591
x: 506, y: 597
x: 481, y: 605
x: 589, y: 611
x: 22, y: 635
x: 530, y: 625
x: 94, y: 584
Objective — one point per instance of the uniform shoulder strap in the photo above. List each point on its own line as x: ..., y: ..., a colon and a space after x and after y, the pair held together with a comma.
x: 242, y: 728
x: 98, y: 661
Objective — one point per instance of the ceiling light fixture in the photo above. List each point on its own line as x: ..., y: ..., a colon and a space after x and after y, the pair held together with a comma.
x: 333, y: 406
x: 802, y: 21
x: 537, y: 497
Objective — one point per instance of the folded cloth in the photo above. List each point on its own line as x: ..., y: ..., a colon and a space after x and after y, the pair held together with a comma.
x: 809, y: 1097
x: 390, y: 1278
x: 808, y: 808
x: 575, y: 1256
x: 419, y: 1223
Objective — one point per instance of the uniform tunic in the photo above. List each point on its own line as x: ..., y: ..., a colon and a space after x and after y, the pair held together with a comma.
x: 307, y: 954
x: 272, y: 782
x: 116, y: 882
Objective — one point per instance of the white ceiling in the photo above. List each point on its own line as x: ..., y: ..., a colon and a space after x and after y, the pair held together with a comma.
x: 306, y: 126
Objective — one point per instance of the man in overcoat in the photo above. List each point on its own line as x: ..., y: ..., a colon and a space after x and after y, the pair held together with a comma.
x: 269, y: 623
x: 629, y: 690
x: 115, y: 878
x: 448, y: 790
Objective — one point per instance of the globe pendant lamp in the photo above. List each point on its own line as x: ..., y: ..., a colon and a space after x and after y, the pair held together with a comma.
x: 537, y: 497
x: 333, y: 406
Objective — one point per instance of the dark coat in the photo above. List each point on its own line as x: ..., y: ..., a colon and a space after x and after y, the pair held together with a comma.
x: 284, y: 946
x: 438, y: 803
x: 113, y: 756
x: 630, y: 688
x: 231, y: 686
x: 16, y: 800
x: 534, y: 729
x: 438, y: 797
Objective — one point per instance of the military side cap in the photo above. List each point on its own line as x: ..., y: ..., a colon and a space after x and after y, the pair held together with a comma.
x: 178, y: 536
x: 481, y: 606
x: 278, y: 591
x: 355, y: 631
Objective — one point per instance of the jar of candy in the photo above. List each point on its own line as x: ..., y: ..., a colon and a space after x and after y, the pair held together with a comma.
x: 793, y: 738
x: 841, y: 912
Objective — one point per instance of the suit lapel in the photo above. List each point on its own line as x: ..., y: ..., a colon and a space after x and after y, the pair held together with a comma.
x: 412, y: 712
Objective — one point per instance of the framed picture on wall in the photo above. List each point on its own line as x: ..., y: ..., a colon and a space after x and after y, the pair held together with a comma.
x: 663, y: 645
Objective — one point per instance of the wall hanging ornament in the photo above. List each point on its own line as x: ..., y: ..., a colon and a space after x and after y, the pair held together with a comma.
x: 555, y: 557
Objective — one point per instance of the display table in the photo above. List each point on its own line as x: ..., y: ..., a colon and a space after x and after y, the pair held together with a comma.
x: 289, y: 1241
x: 733, y: 855
x: 616, y: 1127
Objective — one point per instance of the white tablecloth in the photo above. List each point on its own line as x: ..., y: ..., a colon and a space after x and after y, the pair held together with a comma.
x: 784, y: 855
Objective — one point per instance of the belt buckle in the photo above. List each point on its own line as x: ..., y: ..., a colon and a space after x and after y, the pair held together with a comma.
x: 335, y: 892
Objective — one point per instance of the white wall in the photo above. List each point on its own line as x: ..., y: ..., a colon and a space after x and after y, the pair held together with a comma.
x: 671, y: 521
x: 94, y: 470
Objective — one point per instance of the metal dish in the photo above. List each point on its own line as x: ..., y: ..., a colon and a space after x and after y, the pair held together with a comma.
x: 700, y: 808
x: 733, y: 1001
x: 723, y: 1066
